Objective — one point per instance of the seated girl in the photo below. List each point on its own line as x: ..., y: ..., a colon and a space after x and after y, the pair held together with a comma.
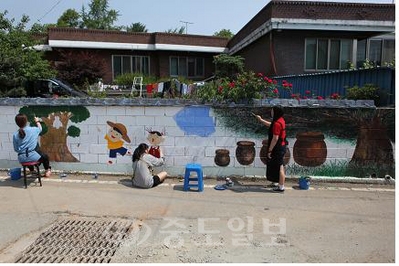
x: 143, y: 162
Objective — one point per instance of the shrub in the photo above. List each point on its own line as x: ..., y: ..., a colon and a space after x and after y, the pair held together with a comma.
x: 127, y: 79
x: 367, y: 92
x: 245, y: 87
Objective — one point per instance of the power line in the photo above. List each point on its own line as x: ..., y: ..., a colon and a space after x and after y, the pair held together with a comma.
x: 51, y: 9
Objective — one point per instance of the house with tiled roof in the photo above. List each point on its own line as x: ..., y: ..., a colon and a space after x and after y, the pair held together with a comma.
x: 285, y: 37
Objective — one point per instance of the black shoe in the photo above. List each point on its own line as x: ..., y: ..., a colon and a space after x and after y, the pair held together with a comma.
x: 278, y: 189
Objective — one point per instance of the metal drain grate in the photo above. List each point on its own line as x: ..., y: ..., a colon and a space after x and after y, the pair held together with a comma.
x: 74, y: 240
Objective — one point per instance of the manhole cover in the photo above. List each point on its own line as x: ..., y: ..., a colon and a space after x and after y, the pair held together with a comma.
x: 75, y: 240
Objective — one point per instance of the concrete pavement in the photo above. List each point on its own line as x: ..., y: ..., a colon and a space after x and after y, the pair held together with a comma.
x: 331, y: 222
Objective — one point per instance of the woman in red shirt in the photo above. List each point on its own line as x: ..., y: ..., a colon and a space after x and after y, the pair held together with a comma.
x: 277, y: 146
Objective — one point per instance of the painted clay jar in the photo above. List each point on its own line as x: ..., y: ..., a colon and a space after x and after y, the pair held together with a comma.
x: 310, y: 149
x: 222, y: 157
x: 265, y: 148
x: 245, y: 152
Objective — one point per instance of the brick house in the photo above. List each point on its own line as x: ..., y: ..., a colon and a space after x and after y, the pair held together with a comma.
x: 296, y: 37
x: 285, y: 37
x: 157, y: 54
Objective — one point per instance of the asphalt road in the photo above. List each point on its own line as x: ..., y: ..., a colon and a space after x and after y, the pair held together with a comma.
x: 247, y: 223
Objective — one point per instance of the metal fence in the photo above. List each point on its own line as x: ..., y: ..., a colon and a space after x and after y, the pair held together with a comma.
x: 327, y: 83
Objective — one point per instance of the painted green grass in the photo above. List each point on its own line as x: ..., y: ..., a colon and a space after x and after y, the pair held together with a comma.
x: 341, y: 168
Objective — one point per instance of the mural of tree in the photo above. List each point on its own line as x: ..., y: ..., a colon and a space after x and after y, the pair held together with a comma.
x: 55, y: 121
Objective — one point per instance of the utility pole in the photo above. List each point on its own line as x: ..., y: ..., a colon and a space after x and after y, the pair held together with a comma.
x: 186, y: 22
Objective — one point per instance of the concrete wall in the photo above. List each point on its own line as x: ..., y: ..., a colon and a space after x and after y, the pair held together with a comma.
x: 192, y: 133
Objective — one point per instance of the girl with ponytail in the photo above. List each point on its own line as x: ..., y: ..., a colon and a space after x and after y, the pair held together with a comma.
x: 25, y: 142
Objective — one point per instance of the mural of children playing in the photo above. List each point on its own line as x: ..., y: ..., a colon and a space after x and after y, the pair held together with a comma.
x: 155, y: 138
x: 115, y: 137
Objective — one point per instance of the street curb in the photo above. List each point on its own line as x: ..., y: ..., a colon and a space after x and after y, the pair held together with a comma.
x: 314, y: 179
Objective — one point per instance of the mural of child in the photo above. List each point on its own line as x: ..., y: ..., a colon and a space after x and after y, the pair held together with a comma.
x: 155, y: 138
x: 115, y: 137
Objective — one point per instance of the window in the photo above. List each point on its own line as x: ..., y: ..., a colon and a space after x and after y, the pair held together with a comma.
x: 130, y: 64
x: 377, y: 51
x: 361, y: 52
x: 388, y: 51
x: 186, y: 66
x: 327, y: 54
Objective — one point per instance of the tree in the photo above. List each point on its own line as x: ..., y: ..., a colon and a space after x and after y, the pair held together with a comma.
x: 40, y: 28
x: 176, y: 30
x: 228, y: 66
x: 136, y: 27
x: 80, y: 68
x: 55, y: 128
x: 70, y: 18
x: 99, y: 16
x: 225, y: 33
x: 19, y: 61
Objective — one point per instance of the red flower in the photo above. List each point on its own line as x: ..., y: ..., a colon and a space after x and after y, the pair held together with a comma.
x: 232, y: 84
x: 220, y: 89
x: 275, y: 91
x: 305, y: 97
x: 290, y: 85
x: 274, y: 81
x: 265, y: 78
x: 319, y: 98
x: 260, y: 74
x: 307, y: 92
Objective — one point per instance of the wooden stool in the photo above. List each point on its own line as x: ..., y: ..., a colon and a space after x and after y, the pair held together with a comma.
x: 34, y: 164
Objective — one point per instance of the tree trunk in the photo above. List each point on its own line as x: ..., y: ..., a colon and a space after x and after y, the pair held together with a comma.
x: 373, y: 145
x: 54, y: 142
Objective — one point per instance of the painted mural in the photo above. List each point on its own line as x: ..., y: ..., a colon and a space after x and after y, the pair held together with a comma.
x: 155, y: 138
x: 371, y: 131
x: 228, y: 140
x: 195, y: 120
x: 55, y: 120
x: 115, y: 137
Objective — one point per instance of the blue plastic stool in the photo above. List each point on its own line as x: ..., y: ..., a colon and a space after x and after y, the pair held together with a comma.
x: 192, y: 167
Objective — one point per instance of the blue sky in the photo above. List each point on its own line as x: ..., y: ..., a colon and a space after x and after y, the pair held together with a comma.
x: 207, y: 16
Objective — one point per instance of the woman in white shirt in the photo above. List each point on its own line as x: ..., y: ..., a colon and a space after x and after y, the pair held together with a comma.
x: 143, y: 162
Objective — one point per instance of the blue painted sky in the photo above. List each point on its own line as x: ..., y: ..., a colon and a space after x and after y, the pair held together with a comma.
x: 207, y: 16
x: 195, y: 121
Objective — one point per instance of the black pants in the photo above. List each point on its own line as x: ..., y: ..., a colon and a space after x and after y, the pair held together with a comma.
x: 273, y: 165
x: 44, y: 159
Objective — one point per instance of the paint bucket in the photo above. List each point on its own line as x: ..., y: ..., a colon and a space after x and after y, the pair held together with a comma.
x: 15, y: 173
x: 304, y: 183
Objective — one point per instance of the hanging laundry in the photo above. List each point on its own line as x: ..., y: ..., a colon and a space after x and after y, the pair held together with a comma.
x: 160, y: 87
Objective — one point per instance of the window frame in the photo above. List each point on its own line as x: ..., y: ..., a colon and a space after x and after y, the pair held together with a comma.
x: 329, y: 40
x: 141, y: 58
x: 186, y: 58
